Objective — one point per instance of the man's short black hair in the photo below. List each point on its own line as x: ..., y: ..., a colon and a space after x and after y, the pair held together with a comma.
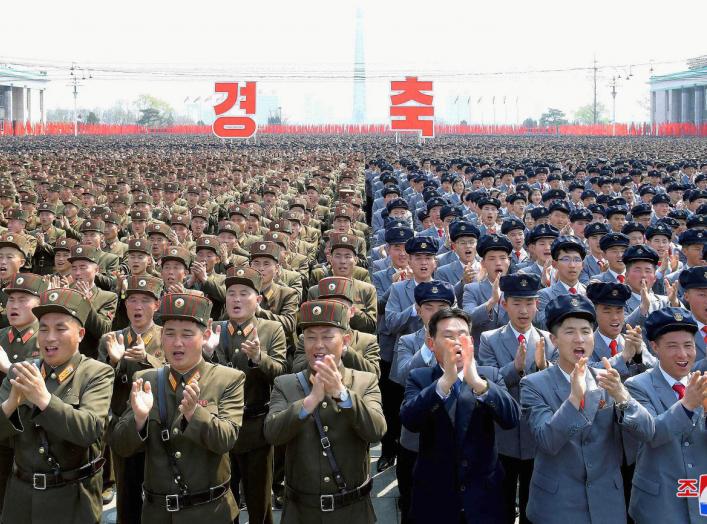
x: 445, y: 313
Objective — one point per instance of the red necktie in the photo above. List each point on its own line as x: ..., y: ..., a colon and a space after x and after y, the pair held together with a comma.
x: 518, y: 255
x: 573, y: 291
x: 521, y: 338
x: 704, y: 330
x: 679, y: 389
x: 612, y: 346
x: 621, y: 278
x: 440, y: 232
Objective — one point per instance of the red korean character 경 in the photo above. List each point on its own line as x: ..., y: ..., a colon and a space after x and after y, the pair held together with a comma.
x: 413, y: 103
x: 235, y: 126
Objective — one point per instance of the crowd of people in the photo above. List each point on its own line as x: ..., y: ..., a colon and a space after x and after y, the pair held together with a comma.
x: 194, y: 327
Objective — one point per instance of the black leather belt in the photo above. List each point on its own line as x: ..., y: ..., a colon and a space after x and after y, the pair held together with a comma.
x: 330, y: 502
x: 176, y: 502
x: 43, y: 481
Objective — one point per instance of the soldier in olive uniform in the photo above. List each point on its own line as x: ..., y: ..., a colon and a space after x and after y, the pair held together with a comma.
x: 18, y: 342
x: 108, y: 263
x: 327, y: 416
x: 55, y: 412
x: 257, y: 347
x: 204, y: 278
x: 14, y: 252
x: 363, y: 352
x: 47, y: 235
x: 187, y: 431
x: 129, y: 350
x: 102, y: 304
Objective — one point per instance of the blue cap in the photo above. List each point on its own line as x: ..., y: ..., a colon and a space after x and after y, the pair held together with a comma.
x: 613, y: 239
x: 659, y: 229
x: 434, y: 290
x: 694, y: 278
x: 692, y: 237
x: 542, y: 231
x: 669, y: 319
x: 397, y: 203
x: 568, y: 243
x: 539, y: 212
x: 595, y: 228
x: 520, y: 285
x: 422, y: 244
x: 608, y: 293
x: 493, y: 242
x: 560, y: 205
x: 564, y: 306
x: 661, y: 198
x: 510, y: 224
x: 389, y: 190
x: 449, y: 210
x: 463, y: 228
x: 581, y: 214
x: 632, y: 227
x: 615, y: 210
x: 398, y: 235
x: 640, y: 252
x: 436, y: 201
x: 489, y: 201
x: 697, y: 220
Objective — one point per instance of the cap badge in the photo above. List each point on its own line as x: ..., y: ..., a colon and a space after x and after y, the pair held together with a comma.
x: 523, y: 283
x: 423, y: 245
x: 79, y: 250
x: 138, y: 244
x: 179, y: 303
x: 10, y: 238
x: 240, y: 273
x: 316, y: 311
x: 495, y: 239
x: 275, y: 236
x: 142, y: 283
x: 344, y: 239
x: 207, y: 241
x: 276, y: 226
x: 53, y: 297
x: 678, y: 317
x: 332, y: 286
x: 463, y: 228
x: 615, y: 293
x: 435, y: 289
x: 574, y: 302
x: 263, y: 247
x: 639, y: 251
x: 173, y: 252
x: 402, y: 233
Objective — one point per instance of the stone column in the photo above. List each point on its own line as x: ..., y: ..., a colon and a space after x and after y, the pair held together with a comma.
x: 674, y: 105
x: 699, y: 105
x: 8, y: 104
x: 28, y: 99
x: 685, y: 105
x: 42, y: 115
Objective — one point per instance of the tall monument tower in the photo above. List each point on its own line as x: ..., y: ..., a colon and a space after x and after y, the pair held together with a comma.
x: 359, y: 78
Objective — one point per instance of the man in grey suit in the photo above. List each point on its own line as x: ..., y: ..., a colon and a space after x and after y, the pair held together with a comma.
x: 464, y: 269
x: 481, y: 299
x: 613, y: 246
x: 675, y: 398
x: 568, y: 254
x: 401, y: 318
x: 593, y: 234
x: 694, y: 282
x: 692, y: 242
x: 539, y: 243
x: 395, y: 238
x: 411, y: 352
x: 517, y: 349
x: 576, y: 414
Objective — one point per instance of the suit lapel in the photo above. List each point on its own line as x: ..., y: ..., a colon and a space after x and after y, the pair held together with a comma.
x: 600, y: 347
x: 559, y: 383
x: 592, y: 395
x: 662, y: 388
x: 410, y: 291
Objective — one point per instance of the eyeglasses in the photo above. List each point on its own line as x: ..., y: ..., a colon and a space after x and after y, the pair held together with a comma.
x: 570, y: 260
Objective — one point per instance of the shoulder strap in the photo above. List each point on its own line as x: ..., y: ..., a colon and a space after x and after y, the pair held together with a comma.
x: 323, y: 439
x: 164, y: 426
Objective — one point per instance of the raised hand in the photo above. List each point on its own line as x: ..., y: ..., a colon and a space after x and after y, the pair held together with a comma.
x: 645, y: 298
x: 672, y: 292
x: 141, y: 401
x: 136, y: 353
x: 252, y: 347
x: 610, y: 380
x: 213, y: 337
x: 84, y: 288
x: 470, y: 273
x: 603, y: 265
x: 633, y: 342
x: 547, y: 273
x: 471, y: 374
x: 578, y: 383
x: 4, y: 361
x: 449, y: 366
x: 115, y: 347
x: 540, y: 358
x: 696, y: 391
x: 331, y: 378
x: 30, y: 384
x: 190, y: 400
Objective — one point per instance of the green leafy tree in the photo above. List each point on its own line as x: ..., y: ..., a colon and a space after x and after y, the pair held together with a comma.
x: 553, y: 117
x: 585, y: 114
x: 92, y: 118
x: 530, y: 122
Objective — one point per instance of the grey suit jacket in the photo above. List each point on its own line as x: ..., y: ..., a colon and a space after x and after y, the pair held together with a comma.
x: 633, y: 310
x: 700, y: 347
x: 548, y: 294
x: 474, y: 302
x: 626, y: 370
x: 532, y: 268
x: 577, y: 475
x: 606, y: 276
x: 408, y: 356
x: 382, y: 280
x: 498, y: 349
x: 400, y: 316
x: 676, y: 449
x: 591, y: 267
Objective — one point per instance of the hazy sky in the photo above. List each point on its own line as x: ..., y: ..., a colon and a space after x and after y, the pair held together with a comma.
x: 452, y: 43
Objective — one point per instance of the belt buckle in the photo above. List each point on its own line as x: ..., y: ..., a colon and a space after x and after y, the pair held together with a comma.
x: 172, y: 503
x: 164, y: 434
x: 325, y: 443
x: 326, y: 503
x: 39, y: 481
